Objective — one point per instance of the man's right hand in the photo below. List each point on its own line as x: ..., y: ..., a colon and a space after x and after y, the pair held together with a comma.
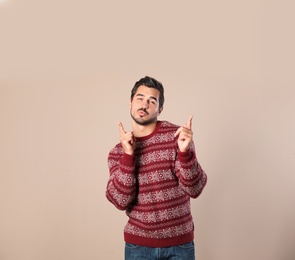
x: 127, y: 140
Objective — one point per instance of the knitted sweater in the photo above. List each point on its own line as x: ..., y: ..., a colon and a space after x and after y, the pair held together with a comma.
x: 154, y: 187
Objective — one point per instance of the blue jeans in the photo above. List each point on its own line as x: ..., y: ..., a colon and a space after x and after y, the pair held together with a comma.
x: 181, y: 252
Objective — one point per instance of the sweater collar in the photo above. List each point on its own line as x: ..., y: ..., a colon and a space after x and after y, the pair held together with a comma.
x: 143, y: 138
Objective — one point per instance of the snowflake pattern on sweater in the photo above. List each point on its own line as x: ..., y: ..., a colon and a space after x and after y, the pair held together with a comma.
x: 154, y: 187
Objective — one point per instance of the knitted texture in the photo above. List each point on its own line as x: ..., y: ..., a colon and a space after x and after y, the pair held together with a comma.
x: 154, y: 187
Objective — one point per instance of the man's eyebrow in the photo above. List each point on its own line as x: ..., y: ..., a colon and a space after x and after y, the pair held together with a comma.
x: 152, y: 97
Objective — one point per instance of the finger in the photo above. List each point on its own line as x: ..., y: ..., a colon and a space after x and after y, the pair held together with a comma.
x: 189, y: 122
x: 132, y: 141
x: 121, y: 128
x: 178, y: 131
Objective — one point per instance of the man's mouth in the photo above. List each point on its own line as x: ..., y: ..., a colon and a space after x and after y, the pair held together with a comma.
x: 142, y: 113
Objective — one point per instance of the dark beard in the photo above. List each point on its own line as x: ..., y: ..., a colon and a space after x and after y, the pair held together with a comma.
x: 146, y: 122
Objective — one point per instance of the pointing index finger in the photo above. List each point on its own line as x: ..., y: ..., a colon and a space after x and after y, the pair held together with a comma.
x: 189, y: 122
x: 121, y: 128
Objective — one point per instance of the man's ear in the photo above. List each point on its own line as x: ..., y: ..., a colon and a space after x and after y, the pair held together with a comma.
x: 160, y: 111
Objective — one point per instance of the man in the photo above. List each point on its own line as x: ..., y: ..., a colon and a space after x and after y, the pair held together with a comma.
x: 153, y: 174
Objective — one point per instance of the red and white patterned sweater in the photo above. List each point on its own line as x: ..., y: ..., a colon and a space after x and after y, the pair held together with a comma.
x: 154, y: 186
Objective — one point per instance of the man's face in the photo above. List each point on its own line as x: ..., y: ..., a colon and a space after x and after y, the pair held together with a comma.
x: 144, y: 107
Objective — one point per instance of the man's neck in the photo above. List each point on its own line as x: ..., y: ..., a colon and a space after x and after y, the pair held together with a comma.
x: 143, y: 130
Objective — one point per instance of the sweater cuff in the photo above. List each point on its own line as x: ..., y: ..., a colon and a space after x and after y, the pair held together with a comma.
x: 185, y: 156
x: 128, y: 159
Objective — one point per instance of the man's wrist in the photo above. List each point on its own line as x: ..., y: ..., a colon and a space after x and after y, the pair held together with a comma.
x: 128, y: 158
x: 185, y: 156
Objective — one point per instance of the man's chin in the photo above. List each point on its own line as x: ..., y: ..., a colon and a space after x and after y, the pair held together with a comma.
x: 143, y: 121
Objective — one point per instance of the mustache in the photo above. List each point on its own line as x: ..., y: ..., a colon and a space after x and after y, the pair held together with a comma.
x: 144, y: 110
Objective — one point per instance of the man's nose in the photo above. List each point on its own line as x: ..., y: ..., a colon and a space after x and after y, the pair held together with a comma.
x: 145, y: 104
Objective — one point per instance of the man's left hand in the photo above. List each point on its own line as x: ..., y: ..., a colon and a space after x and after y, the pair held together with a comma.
x: 185, y: 135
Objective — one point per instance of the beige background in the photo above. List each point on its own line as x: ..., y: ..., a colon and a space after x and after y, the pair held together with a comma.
x: 66, y: 71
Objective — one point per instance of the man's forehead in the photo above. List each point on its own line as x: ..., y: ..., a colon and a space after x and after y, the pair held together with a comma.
x: 147, y: 91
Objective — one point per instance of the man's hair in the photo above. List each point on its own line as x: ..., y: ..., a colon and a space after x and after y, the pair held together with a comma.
x: 151, y: 83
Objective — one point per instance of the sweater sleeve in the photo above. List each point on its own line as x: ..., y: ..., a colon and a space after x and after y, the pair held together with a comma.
x: 192, y: 178
x: 121, y: 186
